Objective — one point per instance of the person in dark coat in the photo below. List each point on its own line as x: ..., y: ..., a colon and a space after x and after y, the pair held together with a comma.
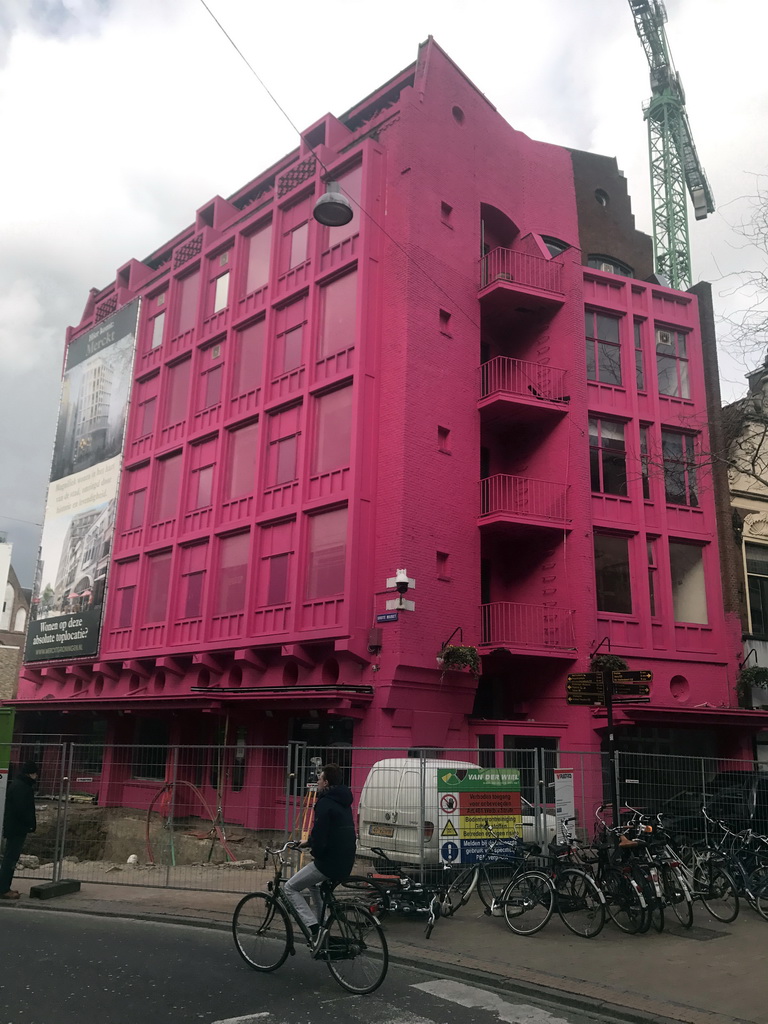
x: 18, y: 820
x: 332, y: 844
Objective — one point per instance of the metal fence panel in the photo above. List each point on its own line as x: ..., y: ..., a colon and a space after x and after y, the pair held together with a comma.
x: 41, y: 848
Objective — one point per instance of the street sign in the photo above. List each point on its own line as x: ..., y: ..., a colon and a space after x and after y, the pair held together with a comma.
x: 586, y: 677
x: 597, y: 689
x: 387, y: 617
x: 630, y: 689
x: 578, y: 698
x: 642, y: 676
x: 631, y: 700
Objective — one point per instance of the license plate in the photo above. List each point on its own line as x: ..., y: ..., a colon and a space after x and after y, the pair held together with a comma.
x: 381, y: 830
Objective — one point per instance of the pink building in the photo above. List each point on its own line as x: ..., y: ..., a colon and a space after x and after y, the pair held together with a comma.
x: 470, y: 380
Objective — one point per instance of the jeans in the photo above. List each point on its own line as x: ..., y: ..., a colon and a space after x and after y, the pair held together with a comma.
x: 13, y: 848
x: 306, y: 877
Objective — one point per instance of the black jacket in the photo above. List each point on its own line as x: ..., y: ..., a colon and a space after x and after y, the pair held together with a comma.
x: 19, y: 817
x: 332, y: 839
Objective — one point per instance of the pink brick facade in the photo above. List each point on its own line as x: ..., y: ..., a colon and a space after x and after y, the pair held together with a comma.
x: 313, y: 408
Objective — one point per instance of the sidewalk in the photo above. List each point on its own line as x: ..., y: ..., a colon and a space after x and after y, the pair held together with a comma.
x: 712, y: 974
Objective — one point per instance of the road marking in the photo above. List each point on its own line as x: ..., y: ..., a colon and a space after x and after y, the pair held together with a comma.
x: 247, y: 1019
x: 468, y: 995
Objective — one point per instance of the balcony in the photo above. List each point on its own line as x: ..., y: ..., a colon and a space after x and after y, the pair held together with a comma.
x: 522, y: 504
x: 515, y: 390
x: 511, y: 281
x: 528, y: 629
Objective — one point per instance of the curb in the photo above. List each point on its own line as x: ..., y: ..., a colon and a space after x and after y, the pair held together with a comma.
x: 593, y: 1000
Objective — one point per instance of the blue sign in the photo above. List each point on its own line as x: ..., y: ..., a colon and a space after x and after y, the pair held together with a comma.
x: 387, y: 617
x: 450, y: 851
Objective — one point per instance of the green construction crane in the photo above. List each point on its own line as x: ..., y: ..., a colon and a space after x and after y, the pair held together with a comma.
x: 674, y: 160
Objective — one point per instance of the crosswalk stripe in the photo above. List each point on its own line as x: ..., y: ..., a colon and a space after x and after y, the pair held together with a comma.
x: 249, y: 1018
x: 469, y: 996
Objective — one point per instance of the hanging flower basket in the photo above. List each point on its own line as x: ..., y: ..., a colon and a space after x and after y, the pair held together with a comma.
x: 453, y: 658
x: 607, y: 663
x: 755, y: 675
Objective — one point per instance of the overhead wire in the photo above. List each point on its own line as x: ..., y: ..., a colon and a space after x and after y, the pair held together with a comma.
x: 371, y: 218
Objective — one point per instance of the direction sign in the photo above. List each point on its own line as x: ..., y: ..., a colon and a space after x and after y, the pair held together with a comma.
x: 579, y: 698
x: 630, y: 689
x: 586, y: 677
x: 595, y: 688
x: 643, y: 676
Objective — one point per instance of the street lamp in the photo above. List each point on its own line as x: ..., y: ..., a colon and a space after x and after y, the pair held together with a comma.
x: 333, y: 209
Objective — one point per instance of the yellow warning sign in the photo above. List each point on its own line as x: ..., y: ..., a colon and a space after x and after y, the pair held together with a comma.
x: 449, y: 829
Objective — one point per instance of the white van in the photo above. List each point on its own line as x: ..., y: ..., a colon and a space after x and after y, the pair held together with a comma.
x: 393, y: 816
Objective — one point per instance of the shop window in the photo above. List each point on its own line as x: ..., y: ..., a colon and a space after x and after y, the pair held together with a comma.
x: 150, y: 748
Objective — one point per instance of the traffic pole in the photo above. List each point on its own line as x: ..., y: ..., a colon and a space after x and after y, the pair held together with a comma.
x: 608, y: 687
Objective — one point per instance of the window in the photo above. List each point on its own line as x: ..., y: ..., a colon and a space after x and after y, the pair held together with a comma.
x: 241, y: 452
x: 612, y: 574
x: 282, y: 461
x: 608, y: 264
x: 147, y: 413
x: 136, y: 483
x: 672, y: 364
x: 639, y: 365
x: 645, y: 462
x: 757, y: 586
x: 233, y: 570
x: 221, y: 292
x: 158, y: 579
x: 650, y: 547
x: 351, y: 185
x: 333, y: 429
x: 211, y: 377
x: 689, y: 596
x: 554, y: 245
x: 202, y: 487
x: 127, y: 574
x: 603, y: 352
x: 679, y: 455
x: 444, y: 441
x: 146, y: 403
x: 297, y: 252
x: 289, y: 342
x: 327, y: 554
x: 150, y: 748
x: 442, y: 566
x: 607, y: 457
x: 156, y: 325
x: 338, y: 304
x: 192, y: 580
x: 257, y: 271
x: 249, y: 356
x: 276, y: 549
x: 189, y: 287
x: 177, y: 392
x: 167, y: 483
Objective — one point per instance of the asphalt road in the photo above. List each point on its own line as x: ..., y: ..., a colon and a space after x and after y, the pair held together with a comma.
x: 61, y: 968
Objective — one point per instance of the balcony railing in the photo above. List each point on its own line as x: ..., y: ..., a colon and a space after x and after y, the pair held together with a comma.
x: 532, y: 381
x: 507, y: 624
x: 523, y: 497
x: 507, y: 266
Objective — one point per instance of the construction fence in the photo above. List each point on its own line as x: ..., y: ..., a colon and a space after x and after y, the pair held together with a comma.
x: 201, y: 817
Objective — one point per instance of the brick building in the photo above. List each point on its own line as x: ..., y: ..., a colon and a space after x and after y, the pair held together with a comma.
x: 313, y: 408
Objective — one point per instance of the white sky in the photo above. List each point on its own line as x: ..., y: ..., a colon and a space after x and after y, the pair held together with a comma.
x: 120, y: 118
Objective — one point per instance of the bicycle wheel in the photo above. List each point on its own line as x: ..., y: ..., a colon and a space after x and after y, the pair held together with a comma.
x: 528, y: 902
x: 580, y: 903
x: 761, y: 897
x: 493, y: 880
x: 366, y: 891
x: 654, y: 909
x: 459, y: 890
x: 623, y: 903
x: 677, y: 894
x: 435, y: 912
x: 717, y: 891
x: 262, y: 931
x: 355, y: 949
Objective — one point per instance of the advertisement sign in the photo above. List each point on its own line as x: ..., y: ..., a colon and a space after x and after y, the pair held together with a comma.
x: 82, y: 494
x: 565, y: 803
x: 470, y: 797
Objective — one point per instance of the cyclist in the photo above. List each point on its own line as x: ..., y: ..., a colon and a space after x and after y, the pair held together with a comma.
x: 332, y: 844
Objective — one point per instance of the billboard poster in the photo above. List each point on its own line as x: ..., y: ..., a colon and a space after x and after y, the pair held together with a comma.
x: 468, y: 799
x: 82, y: 493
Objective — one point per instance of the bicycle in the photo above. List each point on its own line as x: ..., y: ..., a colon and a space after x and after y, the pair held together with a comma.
x: 406, y: 895
x: 489, y: 878
x: 579, y: 900
x: 353, y: 944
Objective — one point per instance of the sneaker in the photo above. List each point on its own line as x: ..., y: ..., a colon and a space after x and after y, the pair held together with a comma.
x: 10, y: 895
x: 318, y: 939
